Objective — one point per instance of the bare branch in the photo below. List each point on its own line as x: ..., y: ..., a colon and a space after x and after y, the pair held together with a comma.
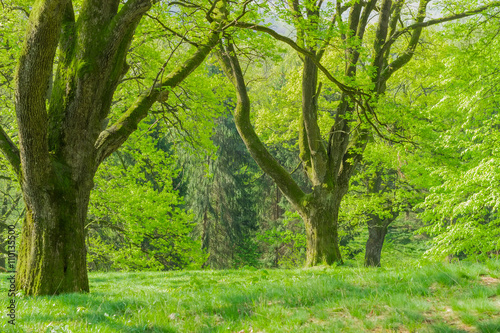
x: 428, y: 23
x: 183, y: 37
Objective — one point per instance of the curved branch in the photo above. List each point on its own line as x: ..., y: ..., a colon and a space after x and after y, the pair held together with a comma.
x: 344, y: 88
x: 259, y: 152
x: 112, y: 138
x: 416, y: 25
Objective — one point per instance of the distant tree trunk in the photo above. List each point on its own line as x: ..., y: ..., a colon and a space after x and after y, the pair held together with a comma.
x: 277, y: 211
x: 205, y: 237
x: 377, y: 229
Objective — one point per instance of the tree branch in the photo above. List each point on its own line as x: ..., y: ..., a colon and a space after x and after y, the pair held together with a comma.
x: 380, y: 38
x: 422, y: 24
x: 33, y: 74
x: 112, y: 138
x: 10, y: 151
x: 344, y: 88
x: 131, y: 12
x: 184, y: 38
x: 259, y: 152
x: 403, y: 59
x: 369, y: 7
x: 329, y: 32
x: 297, y: 18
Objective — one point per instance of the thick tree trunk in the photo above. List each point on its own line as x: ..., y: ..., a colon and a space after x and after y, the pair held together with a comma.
x: 321, y: 221
x: 52, y: 254
x: 61, y: 139
x: 377, y: 229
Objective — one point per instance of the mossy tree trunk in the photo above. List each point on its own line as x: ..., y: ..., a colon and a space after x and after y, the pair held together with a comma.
x: 321, y: 221
x: 61, y: 141
x: 52, y: 255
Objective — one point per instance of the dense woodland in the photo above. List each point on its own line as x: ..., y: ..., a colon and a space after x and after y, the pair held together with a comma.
x: 169, y: 135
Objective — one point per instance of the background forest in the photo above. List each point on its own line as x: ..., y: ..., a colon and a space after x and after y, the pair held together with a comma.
x: 183, y: 192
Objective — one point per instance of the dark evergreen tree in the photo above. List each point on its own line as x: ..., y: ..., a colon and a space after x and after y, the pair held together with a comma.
x: 223, y: 199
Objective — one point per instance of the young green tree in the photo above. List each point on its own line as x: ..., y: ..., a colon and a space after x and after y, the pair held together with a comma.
x: 462, y: 208
x: 61, y: 119
x: 369, y: 57
x: 378, y: 193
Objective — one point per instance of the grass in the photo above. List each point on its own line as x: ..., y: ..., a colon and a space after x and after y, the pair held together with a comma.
x: 461, y: 297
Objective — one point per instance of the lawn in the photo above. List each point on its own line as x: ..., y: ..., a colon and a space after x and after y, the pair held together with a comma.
x: 460, y: 297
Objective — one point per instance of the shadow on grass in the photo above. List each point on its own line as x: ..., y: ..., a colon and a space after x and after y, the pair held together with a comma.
x: 405, y: 292
x: 444, y: 328
x: 90, y: 310
x: 244, y: 295
x: 489, y: 326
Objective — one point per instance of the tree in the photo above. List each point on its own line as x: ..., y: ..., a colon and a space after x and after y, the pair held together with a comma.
x: 461, y: 210
x: 330, y: 158
x: 136, y: 218
x: 62, y: 120
x: 378, y: 193
x: 223, y: 200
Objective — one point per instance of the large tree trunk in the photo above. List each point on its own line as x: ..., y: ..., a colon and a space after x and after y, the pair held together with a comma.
x: 52, y: 254
x: 321, y: 221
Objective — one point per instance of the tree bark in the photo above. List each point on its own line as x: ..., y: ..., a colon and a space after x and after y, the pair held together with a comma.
x: 377, y: 229
x: 321, y: 220
x: 52, y: 254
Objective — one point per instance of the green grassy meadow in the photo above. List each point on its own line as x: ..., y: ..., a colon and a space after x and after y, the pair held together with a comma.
x: 460, y: 297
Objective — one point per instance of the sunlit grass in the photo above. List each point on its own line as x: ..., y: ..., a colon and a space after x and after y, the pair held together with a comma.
x: 432, y: 298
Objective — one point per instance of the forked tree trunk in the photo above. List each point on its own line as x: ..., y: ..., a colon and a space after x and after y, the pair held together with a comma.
x: 377, y: 229
x: 318, y: 209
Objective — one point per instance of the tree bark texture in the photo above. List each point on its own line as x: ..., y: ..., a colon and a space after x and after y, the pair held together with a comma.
x: 377, y: 229
x: 61, y: 142
x: 321, y: 220
x: 52, y: 254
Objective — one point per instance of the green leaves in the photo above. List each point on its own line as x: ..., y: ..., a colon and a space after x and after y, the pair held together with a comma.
x: 136, y: 217
x: 462, y: 211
